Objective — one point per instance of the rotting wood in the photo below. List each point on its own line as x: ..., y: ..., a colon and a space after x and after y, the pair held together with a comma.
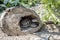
x: 20, y: 21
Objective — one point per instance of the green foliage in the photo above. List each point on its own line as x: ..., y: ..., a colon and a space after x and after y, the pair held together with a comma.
x: 11, y: 3
x: 29, y: 2
x: 52, y: 7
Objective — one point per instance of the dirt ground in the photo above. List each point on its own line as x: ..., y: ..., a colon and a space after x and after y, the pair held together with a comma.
x: 47, y: 32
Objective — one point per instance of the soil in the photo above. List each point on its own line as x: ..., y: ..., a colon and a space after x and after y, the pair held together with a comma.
x: 49, y: 31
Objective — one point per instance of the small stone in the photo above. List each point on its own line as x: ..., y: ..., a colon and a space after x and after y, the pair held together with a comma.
x: 33, y: 25
x: 34, y: 20
x: 55, y: 37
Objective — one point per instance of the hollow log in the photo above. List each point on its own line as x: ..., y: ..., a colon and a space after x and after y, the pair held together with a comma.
x: 19, y: 20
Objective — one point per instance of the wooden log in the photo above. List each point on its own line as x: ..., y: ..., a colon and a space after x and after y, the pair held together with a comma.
x: 20, y: 21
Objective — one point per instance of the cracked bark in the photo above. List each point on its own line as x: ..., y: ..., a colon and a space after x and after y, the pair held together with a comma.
x: 20, y: 21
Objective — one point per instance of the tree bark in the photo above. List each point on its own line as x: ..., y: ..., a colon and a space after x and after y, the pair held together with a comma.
x: 17, y: 21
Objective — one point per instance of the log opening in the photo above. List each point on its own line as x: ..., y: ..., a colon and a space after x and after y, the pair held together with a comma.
x: 27, y: 22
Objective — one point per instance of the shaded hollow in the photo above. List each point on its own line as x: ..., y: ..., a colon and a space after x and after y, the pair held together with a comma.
x: 26, y: 22
x: 20, y: 21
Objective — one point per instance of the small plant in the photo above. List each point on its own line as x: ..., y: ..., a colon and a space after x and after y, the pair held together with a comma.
x: 52, y: 7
